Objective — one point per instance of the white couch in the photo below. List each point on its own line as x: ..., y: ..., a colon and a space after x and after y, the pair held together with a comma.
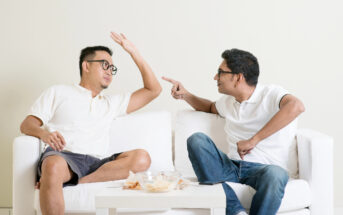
x: 312, y: 193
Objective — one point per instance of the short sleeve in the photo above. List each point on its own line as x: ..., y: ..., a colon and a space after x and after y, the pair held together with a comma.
x: 275, y: 94
x: 43, y: 107
x: 119, y: 103
x: 222, y: 105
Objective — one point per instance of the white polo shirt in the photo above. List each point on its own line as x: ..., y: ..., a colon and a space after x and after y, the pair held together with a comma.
x: 244, y: 120
x: 83, y: 121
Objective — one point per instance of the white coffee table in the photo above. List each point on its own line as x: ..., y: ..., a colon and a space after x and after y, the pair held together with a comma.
x: 193, y: 196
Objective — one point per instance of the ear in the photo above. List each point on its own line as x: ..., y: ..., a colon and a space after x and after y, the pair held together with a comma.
x: 239, y: 79
x: 85, y: 67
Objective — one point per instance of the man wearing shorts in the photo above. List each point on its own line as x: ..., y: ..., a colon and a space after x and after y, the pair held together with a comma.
x: 260, y: 133
x: 77, y: 121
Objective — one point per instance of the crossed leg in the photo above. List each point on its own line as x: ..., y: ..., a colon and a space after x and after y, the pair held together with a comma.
x: 55, y: 172
x: 136, y: 160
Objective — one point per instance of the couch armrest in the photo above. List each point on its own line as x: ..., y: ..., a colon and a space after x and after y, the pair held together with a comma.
x: 26, y: 151
x: 315, y: 154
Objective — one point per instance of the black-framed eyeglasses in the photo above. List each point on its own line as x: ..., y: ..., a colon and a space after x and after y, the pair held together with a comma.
x: 220, y: 71
x: 106, y: 65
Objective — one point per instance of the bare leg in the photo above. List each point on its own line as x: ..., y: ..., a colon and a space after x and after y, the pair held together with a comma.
x: 136, y: 160
x: 55, y: 172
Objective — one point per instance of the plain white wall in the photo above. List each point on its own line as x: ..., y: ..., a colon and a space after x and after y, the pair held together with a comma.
x: 298, y: 44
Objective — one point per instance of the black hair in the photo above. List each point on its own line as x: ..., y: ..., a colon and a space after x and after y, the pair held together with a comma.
x: 89, y: 52
x: 244, y: 62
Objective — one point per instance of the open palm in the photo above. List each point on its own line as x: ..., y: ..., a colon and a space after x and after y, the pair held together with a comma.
x: 123, y: 41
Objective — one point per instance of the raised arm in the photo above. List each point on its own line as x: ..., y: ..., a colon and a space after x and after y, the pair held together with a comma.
x: 290, y: 108
x: 151, y: 87
x: 199, y: 104
x: 32, y: 126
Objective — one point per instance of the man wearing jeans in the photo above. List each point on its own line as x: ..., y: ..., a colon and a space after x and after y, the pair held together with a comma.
x: 260, y: 131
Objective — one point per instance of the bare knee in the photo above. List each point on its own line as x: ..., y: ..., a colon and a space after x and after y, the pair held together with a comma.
x: 140, y: 161
x: 55, y: 170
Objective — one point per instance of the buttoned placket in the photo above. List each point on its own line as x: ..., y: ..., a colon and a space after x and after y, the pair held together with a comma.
x: 93, y: 102
x: 239, y: 109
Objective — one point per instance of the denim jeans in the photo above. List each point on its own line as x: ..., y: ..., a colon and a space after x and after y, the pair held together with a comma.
x: 212, y: 166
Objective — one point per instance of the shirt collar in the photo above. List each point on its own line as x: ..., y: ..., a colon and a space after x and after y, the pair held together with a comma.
x: 85, y: 90
x: 255, y: 95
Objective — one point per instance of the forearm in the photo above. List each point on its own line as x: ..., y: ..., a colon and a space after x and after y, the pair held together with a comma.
x: 149, y: 79
x: 32, y: 127
x: 199, y: 104
x: 281, y: 119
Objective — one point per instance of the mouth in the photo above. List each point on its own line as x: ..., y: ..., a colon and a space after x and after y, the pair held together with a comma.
x: 107, y: 79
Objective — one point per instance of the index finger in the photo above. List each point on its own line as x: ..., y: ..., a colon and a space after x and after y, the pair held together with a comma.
x: 169, y: 80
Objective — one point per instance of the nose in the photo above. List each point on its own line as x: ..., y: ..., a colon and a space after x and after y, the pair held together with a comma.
x: 216, y: 77
x: 108, y: 72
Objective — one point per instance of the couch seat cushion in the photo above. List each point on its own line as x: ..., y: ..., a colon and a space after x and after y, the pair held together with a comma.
x: 291, y: 200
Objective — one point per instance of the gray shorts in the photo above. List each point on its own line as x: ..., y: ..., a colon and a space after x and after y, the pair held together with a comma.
x: 80, y: 164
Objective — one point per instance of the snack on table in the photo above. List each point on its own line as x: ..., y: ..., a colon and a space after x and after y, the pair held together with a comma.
x: 155, y: 181
x: 131, y: 182
x: 159, y: 184
x: 182, y: 183
x: 132, y: 186
x: 158, y: 181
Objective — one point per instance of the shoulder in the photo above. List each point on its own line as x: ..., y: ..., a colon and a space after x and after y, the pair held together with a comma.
x: 273, y: 94
x: 223, y: 104
x: 59, y: 90
x: 65, y: 88
x: 272, y: 90
x: 268, y: 88
x: 225, y: 100
x: 61, y: 87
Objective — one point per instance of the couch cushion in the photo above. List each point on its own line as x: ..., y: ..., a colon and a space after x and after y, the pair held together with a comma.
x: 150, y: 131
x: 291, y: 200
x: 189, y: 122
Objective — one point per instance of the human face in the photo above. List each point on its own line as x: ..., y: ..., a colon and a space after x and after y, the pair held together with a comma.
x: 225, y: 79
x: 97, y: 74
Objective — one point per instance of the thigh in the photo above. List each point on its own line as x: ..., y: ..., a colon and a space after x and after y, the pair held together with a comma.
x: 95, y: 163
x: 250, y: 173
x: 210, y: 164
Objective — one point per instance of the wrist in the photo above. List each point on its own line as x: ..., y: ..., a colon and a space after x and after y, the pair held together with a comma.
x: 42, y: 133
x: 187, y: 96
x: 133, y: 52
x: 255, y: 140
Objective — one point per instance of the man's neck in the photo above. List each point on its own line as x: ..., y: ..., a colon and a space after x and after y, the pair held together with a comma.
x: 95, y: 91
x: 245, y: 94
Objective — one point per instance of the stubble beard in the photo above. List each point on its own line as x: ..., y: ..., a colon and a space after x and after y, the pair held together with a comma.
x: 104, y: 86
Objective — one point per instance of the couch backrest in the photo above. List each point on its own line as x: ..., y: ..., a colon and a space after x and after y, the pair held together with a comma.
x: 189, y: 122
x: 150, y: 131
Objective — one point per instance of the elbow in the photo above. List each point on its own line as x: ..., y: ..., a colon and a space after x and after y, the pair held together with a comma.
x: 299, y: 107
x: 302, y: 108
x: 157, y: 92
x: 22, y: 127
